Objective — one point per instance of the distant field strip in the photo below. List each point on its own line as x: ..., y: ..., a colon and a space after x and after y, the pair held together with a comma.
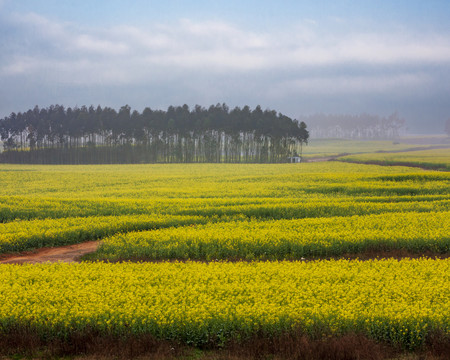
x: 225, y: 182
x: 23, y: 208
x: 402, y: 302
x: 334, y: 147
x: 430, y: 159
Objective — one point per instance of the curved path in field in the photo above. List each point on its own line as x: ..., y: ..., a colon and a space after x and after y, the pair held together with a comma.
x: 73, y: 253
x: 69, y: 253
x: 380, y: 163
x: 320, y: 159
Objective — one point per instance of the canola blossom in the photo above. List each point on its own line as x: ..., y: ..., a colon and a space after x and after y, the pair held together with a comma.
x: 401, y: 302
x: 286, y: 239
x: 26, y: 208
x: 25, y: 235
x: 214, y: 181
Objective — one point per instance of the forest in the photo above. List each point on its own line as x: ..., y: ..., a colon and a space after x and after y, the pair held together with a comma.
x: 84, y: 135
x: 362, y: 126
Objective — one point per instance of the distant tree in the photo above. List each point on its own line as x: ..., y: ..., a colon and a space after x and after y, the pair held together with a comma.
x: 104, y: 135
x: 303, y: 136
x: 363, y: 126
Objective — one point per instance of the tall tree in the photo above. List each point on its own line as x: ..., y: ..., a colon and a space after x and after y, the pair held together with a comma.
x: 179, y: 134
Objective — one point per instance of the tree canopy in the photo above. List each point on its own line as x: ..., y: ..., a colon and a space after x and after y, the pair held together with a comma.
x: 104, y: 135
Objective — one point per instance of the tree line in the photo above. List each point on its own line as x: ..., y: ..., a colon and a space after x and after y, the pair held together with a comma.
x: 363, y: 126
x: 103, y: 135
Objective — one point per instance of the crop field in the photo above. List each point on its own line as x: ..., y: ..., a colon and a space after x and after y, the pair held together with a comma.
x: 206, y: 303
x: 286, y: 239
x: 431, y: 159
x: 208, y: 254
x: 334, y: 147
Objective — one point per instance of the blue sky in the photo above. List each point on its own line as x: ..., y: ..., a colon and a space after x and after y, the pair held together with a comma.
x: 297, y: 57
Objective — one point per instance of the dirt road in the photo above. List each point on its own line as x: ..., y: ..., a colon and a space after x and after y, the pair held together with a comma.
x: 320, y: 159
x: 69, y: 253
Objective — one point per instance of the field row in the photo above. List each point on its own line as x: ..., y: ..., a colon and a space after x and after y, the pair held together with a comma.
x: 234, y: 237
x: 26, y: 235
x: 25, y: 208
x: 224, y: 181
x: 285, y: 239
x: 402, y: 302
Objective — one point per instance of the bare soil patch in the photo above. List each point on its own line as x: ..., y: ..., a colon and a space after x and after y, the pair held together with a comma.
x: 69, y: 253
x: 321, y: 159
x: 285, y: 346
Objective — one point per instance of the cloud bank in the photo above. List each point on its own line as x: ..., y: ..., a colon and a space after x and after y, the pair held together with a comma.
x: 212, y: 60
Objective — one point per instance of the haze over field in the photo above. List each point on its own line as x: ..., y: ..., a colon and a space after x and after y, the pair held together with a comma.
x: 295, y: 57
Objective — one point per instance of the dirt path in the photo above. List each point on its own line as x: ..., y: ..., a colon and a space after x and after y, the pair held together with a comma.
x: 320, y: 159
x: 335, y: 157
x: 73, y: 253
x: 69, y: 253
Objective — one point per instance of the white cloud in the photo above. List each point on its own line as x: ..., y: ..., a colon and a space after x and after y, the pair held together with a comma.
x: 18, y: 66
x: 36, y: 25
x: 128, y: 54
x: 353, y: 84
x: 90, y: 43
x: 381, y: 49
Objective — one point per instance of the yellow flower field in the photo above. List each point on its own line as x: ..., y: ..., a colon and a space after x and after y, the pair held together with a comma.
x: 23, y: 235
x: 198, y: 303
x: 56, y: 205
x: 206, y: 212
x: 286, y: 239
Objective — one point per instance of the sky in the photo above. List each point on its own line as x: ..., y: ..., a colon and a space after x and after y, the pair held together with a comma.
x: 293, y: 56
